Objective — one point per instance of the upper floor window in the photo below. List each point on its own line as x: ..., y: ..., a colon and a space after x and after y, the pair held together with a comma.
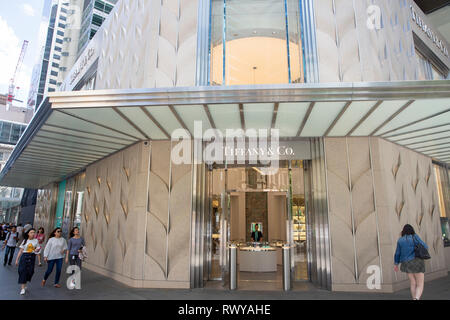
x: 90, y: 84
x: 426, y: 70
x: 443, y: 191
x: 255, y: 42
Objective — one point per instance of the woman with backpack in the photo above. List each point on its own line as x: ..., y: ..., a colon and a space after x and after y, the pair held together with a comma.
x: 54, y: 253
x: 410, y: 264
x: 26, y: 258
x: 10, y: 245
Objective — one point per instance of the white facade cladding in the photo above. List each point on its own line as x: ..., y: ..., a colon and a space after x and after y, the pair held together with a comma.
x: 338, y: 43
x: 159, y: 42
x: 351, y: 51
x: 347, y: 85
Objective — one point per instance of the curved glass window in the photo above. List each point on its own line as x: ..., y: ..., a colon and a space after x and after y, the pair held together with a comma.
x: 255, y: 42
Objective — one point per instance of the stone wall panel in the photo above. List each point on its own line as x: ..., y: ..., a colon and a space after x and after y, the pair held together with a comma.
x: 405, y: 192
x: 158, y: 45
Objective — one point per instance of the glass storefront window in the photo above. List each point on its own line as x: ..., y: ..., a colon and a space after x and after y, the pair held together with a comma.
x: 437, y: 75
x: 255, y: 42
x: 445, y: 231
x: 90, y: 84
x: 67, y: 209
x: 79, y: 206
x: 426, y: 70
x: 10, y: 133
x: 6, y: 132
x: 5, y: 192
x: 443, y: 191
x: 440, y: 189
x: 15, y: 134
x: 72, y: 211
x: 245, y: 195
x: 80, y: 192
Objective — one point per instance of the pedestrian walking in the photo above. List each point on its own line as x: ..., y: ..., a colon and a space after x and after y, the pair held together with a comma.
x: 2, y: 233
x: 54, y: 253
x: 26, y: 258
x: 10, y: 245
x: 75, y: 246
x: 410, y: 264
x: 41, y: 238
x: 20, y: 232
x: 27, y: 227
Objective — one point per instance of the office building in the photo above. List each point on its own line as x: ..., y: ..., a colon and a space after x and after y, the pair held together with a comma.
x: 13, y: 122
x: 68, y: 23
x: 94, y: 13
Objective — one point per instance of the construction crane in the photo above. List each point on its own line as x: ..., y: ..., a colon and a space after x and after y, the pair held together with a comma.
x: 12, y: 85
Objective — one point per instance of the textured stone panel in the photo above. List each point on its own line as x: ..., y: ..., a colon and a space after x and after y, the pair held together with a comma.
x: 113, y: 202
x: 352, y: 212
x: 413, y: 200
x: 347, y: 42
x: 167, y: 254
x: 158, y: 212
x: 180, y: 215
x: 153, y: 41
x: 327, y: 42
x: 45, y: 208
x: 350, y: 51
x: 372, y: 194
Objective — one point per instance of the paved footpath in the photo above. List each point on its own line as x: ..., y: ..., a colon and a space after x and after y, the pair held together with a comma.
x: 96, y: 287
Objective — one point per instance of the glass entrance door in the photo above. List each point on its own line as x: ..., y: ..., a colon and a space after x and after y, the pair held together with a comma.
x: 231, y: 191
x: 224, y: 234
x: 217, y: 221
x: 215, y: 245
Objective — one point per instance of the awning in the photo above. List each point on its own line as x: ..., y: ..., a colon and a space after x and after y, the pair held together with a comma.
x: 74, y: 129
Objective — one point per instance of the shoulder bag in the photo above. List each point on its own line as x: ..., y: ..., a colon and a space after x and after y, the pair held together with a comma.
x: 420, y: 251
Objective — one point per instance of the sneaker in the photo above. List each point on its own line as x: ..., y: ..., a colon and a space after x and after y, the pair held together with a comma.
x: 57, y: 286
x: 22, y: 292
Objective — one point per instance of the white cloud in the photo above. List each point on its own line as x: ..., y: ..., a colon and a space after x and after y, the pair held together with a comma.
x: 28, y: 10
x: 10, y: 47
x: 9, y: 52
x: 43, y: 30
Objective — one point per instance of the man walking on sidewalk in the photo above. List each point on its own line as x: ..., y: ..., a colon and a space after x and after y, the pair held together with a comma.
x: 10, y: 244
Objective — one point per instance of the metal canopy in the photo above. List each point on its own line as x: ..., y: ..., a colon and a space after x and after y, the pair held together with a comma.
x: 74, y: 129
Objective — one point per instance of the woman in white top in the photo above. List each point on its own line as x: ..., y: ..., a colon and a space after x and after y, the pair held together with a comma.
x: 26, y: 258
x: 54, y: 253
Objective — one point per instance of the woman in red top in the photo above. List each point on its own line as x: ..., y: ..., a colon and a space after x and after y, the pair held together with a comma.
x: 40, y: 236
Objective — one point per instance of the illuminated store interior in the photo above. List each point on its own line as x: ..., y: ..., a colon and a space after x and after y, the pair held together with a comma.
x: 243, y: 196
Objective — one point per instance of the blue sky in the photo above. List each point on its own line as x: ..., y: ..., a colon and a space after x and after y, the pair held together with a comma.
x: 19, y: 20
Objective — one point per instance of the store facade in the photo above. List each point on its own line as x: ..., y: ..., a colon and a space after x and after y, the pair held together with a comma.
x: 362, y: 135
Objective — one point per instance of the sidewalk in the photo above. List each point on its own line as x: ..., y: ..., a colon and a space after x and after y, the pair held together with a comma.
x: 95, y: 287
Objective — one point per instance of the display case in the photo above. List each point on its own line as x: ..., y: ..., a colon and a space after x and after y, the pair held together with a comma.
x: 299, y: 218
x: 445, y: 231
